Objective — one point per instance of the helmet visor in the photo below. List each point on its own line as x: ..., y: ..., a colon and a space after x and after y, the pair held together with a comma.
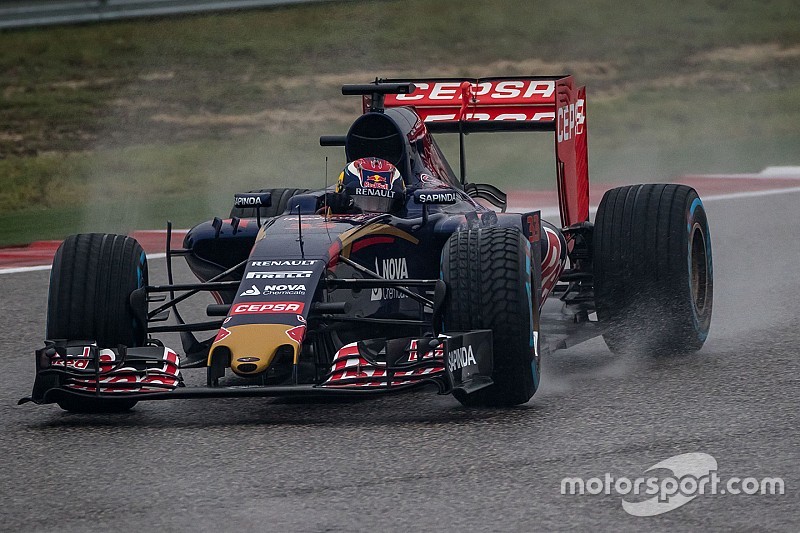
x: 373, y: 204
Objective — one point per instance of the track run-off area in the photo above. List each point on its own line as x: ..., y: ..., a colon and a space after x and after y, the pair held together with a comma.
x: 421, y: 461
x: 710, y: 187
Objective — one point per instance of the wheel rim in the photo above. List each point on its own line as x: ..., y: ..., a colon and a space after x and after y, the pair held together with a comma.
x: 699, y: 262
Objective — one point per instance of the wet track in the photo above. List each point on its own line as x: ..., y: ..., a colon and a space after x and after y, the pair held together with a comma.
x: 421, y: 460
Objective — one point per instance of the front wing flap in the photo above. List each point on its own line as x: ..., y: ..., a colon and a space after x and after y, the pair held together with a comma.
x: 460, y: 361
x: 83, y: 368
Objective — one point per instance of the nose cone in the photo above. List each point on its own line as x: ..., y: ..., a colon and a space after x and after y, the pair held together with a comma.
x: 253, y: 346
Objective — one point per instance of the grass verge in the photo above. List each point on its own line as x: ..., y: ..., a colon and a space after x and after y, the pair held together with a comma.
x: 123, y: 125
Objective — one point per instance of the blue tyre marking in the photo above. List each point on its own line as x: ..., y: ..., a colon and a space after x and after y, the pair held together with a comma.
x: 701, y: 335
x: 532, y: 342
x: 140, y: 271
x: 139, y: 278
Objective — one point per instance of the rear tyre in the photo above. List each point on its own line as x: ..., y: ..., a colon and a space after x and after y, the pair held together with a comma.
x: 653, y: 274
x: 488, y: 276
x: 280, y: 199
x: 91, y: 281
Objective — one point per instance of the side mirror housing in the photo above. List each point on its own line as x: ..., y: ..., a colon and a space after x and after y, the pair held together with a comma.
x: 252, y: 199
x: 435, y: 196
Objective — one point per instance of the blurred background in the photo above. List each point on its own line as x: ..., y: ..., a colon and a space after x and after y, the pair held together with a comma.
x: 119, y: 125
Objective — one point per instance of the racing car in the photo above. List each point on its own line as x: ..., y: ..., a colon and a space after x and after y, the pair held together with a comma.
x: 402, y: 274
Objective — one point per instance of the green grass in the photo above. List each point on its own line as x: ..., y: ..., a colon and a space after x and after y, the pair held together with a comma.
x: 143, y: 186
x: 122, y: 125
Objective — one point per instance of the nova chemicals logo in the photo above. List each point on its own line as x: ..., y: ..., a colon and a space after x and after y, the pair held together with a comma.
x: 252, y: 291
x: 393, y: 268
x: 285, y: 288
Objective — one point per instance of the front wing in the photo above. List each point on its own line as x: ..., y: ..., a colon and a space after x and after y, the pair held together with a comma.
x: 457, y: 361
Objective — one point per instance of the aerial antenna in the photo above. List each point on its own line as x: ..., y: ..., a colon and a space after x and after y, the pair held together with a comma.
x: 300, y: 231
x: 327, y: 213
x: 325, y: 197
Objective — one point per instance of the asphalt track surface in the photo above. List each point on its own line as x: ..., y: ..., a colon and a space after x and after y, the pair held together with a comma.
x: 420, y: 460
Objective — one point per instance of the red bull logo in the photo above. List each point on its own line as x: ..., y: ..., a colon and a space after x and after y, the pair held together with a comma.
x: 376, y: 180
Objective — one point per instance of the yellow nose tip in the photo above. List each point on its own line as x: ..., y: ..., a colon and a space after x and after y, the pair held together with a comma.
x: 253, y: 346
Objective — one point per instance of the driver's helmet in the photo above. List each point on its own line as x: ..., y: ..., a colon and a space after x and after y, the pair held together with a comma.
x: 374, y: 185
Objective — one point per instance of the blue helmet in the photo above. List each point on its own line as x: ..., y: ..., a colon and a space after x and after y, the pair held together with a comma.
x: 374, y: 185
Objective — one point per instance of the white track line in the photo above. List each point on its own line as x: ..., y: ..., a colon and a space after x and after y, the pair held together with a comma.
x: 17, y: 270
x: 753, y: 177
x: 748, y: 194
x: 769, y: 173
x: 546, y: 212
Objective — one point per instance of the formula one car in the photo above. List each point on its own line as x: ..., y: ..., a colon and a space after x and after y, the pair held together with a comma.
x: 400, y: 275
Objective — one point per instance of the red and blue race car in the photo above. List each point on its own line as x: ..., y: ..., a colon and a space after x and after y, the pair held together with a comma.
x: 403, y: 273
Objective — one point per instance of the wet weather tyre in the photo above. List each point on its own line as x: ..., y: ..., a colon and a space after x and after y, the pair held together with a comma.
x: 653, y: 273
x: 91, y: 281
x: 488, y: 277
x: 280, y: 199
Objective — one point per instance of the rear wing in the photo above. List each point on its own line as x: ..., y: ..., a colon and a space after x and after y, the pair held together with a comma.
x: 525, y: 103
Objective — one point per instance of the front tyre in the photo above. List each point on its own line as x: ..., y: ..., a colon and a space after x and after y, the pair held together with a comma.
x: 488, y: 277
x: 653, y: 273
x: 91, y: 281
